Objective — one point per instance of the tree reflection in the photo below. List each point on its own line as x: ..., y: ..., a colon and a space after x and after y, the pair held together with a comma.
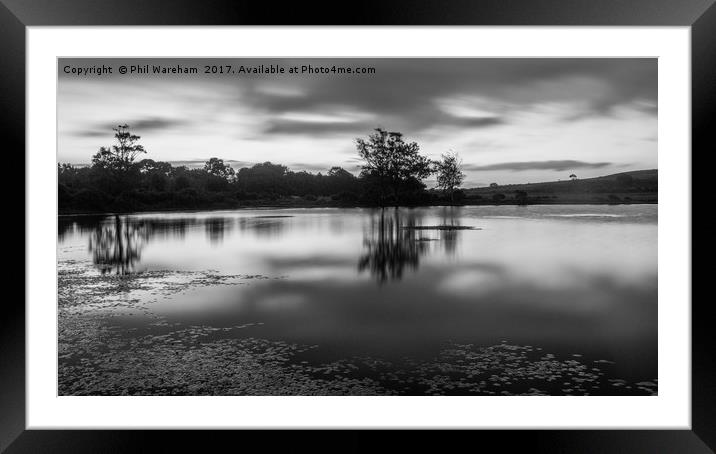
x: 214, y: 228
x: 450, y: 217
x: 391, y: 246
x: 70, y: 225
x: 116, y: 242
x: 263, y: 227
x: 116, y: 246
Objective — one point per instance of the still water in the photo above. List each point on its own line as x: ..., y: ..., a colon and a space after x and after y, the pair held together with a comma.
x: 574, y: 280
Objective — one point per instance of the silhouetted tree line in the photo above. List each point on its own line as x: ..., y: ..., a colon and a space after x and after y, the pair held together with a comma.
x: 117, y: 181
x: 149, y: 184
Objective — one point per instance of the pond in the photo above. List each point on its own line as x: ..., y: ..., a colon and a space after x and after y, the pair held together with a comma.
x: 442, y: 300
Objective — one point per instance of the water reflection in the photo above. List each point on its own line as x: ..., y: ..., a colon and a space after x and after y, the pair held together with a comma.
x: 263, y: 226
x: 68, y: 225
x: 398, y: 282
x: 396, y: 240
x: 116, y: 246
x: 393, y: 241
x: 116, y: 242
x: 450, y: 217
x: 391, y: 245
x: 214, y: 228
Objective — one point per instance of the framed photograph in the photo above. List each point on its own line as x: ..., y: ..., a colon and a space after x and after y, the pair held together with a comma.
x: 465, y: 217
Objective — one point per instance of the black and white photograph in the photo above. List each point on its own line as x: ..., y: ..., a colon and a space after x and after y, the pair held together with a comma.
x: 357, y: 226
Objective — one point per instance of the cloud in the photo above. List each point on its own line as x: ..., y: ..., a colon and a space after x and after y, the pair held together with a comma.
x: 411, y: 93
x: 414, y: 97
x: 306, y: 127
x: 492, y: 107
x: 539, y: 165
x: 194, y: 163
x: 153, y: 124
x: 236, y: 164
x: 141, y: 125
x: 93, y: 133
x: 477, y: 122
x: 304, y: 167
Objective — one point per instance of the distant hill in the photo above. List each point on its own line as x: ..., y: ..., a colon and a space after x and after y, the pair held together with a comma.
x: 639, y: 186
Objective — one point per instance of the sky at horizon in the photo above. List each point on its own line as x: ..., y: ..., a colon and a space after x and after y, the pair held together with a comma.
x: 510, y: 120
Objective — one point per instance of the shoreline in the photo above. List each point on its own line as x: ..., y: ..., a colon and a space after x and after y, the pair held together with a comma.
x: 337, y: 205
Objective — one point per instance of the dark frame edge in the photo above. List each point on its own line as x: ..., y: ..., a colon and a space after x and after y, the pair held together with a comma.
x: 14, y: 437
x: 12, y: 334
x: 703, y: 112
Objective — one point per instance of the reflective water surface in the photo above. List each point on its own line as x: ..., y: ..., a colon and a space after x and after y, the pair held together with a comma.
x: 578, y: 281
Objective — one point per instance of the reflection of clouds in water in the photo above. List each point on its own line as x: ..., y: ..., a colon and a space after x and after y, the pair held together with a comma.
x: 585, y: 215
x: 576, y: 293
x: 419, y: 309
x: 282, y: 301
x: 472, y: 281
x: 316, y: 269
x: 556, y: 253
x: 343, y: 272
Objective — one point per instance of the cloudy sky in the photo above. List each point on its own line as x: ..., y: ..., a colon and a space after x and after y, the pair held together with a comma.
x: 511, y: 120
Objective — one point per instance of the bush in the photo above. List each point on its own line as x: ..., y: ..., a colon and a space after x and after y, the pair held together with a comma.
x: 90, y: 200
x: 181, y: 182
x: 187, y: 196
x: 345, y: 196
x: 64, y: 195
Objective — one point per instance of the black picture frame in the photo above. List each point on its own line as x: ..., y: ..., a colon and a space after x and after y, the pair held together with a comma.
x: 16, y: 15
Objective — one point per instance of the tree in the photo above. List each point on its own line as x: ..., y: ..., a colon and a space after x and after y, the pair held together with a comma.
x: 340, y: 172
x: 119, y: 157
x: 392, y: 163
x: 573, y: 177
x: 450, y: 175
x: 266, y: 178
x: 339, y: 180
x: 150, y: 166
x: 493, y: 185
x: 216, y: 167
